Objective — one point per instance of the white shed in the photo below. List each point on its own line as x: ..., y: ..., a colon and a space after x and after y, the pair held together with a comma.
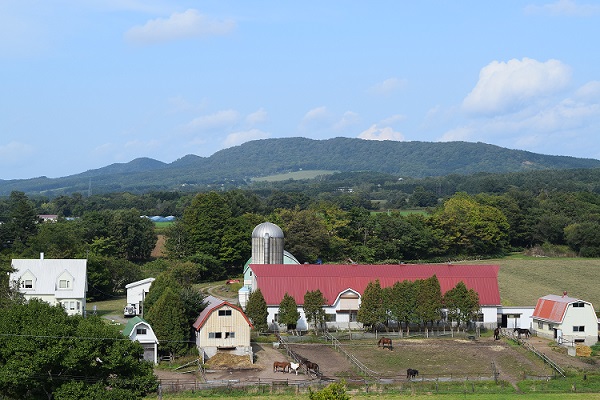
x: 140, y: 330
x: 136, y: 293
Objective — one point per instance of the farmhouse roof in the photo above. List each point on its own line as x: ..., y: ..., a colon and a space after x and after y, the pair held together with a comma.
x: 274, y: 280
x: 47, y: 271
x: 552, y: 307
x: 213, y: 304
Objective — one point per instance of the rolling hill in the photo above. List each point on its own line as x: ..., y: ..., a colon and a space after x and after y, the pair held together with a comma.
x: 238, y: 165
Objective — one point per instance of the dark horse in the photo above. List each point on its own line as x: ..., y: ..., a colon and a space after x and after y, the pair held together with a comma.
x: 411, y: 373
x: 311, y: 366
x: 385, y: 342
x: 497, y: 334
x: 522, y: 331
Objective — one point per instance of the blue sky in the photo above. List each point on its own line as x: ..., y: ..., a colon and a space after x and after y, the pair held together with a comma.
x: 85, y: 84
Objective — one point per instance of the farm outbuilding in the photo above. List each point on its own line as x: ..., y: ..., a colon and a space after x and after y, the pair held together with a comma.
x: 136, y: 293
x: 567, y: 320
x: 138, y: 329
x: 222, y: 326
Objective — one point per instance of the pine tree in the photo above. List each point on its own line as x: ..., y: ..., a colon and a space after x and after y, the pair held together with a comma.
x: 167, y: 317
x: 256, y: 310
x: 313, y: 308
x: 371, y: 311
x: 288, y: 311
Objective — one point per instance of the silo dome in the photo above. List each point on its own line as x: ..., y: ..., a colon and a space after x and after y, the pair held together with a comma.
x: 267, y: 227
x: 267, y: 244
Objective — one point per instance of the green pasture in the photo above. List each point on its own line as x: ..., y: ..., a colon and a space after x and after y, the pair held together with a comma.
x: 523, y: 280
x: 296, y: 175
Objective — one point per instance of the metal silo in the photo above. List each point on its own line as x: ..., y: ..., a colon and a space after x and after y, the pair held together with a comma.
x: 267, y: 244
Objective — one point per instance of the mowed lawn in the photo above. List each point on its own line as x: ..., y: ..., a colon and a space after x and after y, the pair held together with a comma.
x: 523, y: 280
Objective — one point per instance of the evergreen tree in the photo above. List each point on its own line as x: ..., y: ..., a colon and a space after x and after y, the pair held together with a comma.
x: 313, y: 308
x: 167, y: 317
x: 372, y: 311
x: 403, y: 302
x: 288, y: 312
x: 256, y: 310
x: 429, y: 300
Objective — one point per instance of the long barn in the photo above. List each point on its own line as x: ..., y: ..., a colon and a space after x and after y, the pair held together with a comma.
x: 343, y: 285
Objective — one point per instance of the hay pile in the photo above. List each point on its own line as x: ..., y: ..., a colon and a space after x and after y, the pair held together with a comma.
x: 223, y: 360
x: 583, y: 351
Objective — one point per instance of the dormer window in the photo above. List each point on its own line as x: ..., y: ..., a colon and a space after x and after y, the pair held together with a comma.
x: 27, y: 284
x: 64, y: 284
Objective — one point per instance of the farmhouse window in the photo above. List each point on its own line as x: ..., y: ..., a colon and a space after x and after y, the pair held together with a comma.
x: 141, y: 331
x: 224, y: 313
x: 353, y: 316
x: 540, y: 325
x: 63, y: 284
x: 214, y: 335
x: 329, y: 317
x: 229, y: 335
x: 579, y: 304
x: 27, y: 284
x: 580, y: 328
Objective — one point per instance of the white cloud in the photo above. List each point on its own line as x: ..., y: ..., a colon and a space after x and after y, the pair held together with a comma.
x: 315, y: 114
x: 237, y: 138
x: 257, y: 117
x: 394, y: 119
x: 589, y: 92
x: 188, y: 24
x: 387, y: 87
x: 218, y: 120
x: 507, y: 86
x: 14, y: 151
x: 564, y: 7
x: 348, y: 119
x: 376, y: 133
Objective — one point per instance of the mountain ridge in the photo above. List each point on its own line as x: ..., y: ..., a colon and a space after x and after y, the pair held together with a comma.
x: 238, y: 165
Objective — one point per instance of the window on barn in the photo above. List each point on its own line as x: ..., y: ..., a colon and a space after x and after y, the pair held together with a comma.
x: 224, y: 313
x: 478, y: 318
x: 540, y: 325
x: 276, y: 318
x: 352, y: 316
x: 214, y: 335
x: 579, y: 304
x: 229, y: 335
x: 141, y: 331
x: 580, y: 328
x: 329, y: 317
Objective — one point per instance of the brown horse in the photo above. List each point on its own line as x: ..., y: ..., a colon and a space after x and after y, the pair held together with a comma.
x: 385, y: 342
x: 311, y: 366
x: 497, y: 334
x: 281, y: 364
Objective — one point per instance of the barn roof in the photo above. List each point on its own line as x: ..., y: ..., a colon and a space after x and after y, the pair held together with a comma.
x: 214, y: 304
x: 274, y: 280
x: 552, y: 308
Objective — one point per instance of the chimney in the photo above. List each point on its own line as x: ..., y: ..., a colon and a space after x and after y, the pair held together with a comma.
x: 565, y: 293
x: 41, y: 256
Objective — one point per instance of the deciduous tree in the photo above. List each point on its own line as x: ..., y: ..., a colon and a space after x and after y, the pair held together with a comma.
x: 256, y: 310
x: 313, y: 308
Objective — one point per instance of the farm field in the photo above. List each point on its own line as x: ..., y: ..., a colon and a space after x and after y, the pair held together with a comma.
x: 522, y: 280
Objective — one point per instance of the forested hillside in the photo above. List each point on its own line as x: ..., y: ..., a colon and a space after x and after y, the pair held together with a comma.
x: 235, y: 167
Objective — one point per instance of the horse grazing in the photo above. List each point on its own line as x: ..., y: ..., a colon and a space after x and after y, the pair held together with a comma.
x: 522, y: 331
x: 311, y: 366
x: 385, y: 342
x: 411, y: 373
x: 497, y: 334
x: 294, y: 367
x: 281, y: 364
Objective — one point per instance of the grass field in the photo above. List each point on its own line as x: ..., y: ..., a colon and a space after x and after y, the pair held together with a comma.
x: 297, y: 175
x: 523, y: 280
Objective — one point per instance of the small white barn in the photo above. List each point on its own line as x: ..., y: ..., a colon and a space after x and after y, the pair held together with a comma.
x: 140, y: 330
x: 136, y: 293
x: 55, y: 281
x: 222, y: 326
x: 567, y: 320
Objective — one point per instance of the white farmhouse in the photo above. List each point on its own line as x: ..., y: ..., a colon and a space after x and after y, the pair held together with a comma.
x: 566, y: 319
x: 55, y: 281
